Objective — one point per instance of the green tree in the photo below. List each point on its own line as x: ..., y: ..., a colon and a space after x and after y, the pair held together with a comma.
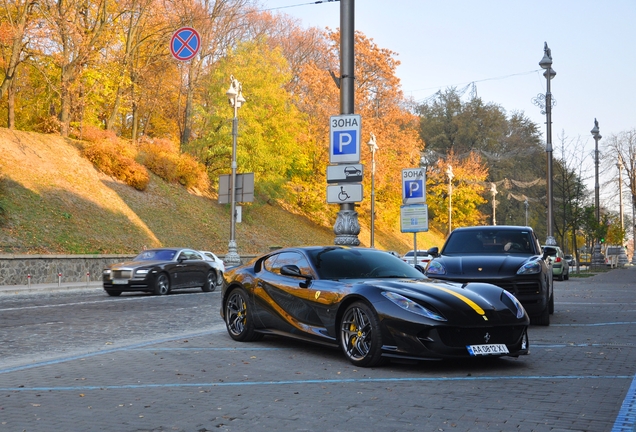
x: 508, y: 145
x: 271, y: 130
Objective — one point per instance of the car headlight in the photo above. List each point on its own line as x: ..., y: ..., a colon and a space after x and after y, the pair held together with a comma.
x: 531, y: 267
x: 106, y: 272
x: 435, y: 268
x: 411, y: 306
x: 520, y: 311
x: 142, y: 272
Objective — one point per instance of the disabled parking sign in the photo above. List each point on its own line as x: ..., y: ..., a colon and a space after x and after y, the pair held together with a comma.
x: 344, y: 138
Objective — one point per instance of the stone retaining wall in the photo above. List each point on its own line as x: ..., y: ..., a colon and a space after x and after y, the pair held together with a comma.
x: 15, y: 269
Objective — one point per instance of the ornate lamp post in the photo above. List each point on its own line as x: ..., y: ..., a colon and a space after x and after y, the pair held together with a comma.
x: 597, y: 256
x: 619, y: 165
x: 236, y: 99
x: 545, y: 103
x: 449, y: 173
x: 373, y: 147
x: 493, y: 191
x: 525, y: 203
x: 597, y: 136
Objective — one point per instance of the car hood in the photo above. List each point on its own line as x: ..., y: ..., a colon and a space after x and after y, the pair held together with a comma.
x: 482, y: 266
x: 475, y: 303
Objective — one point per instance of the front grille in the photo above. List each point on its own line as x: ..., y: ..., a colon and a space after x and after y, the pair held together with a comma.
x: 122, y: 274
x: 461, y: 336
x: 517, y: 288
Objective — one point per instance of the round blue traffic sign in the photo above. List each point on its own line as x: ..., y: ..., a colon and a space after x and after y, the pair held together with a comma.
x: 185, y: 43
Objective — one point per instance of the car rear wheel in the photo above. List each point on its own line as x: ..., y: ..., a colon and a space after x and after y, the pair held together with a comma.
x: 360, y: 337
x: 210, y: 282
x: 113, y: 293
x: 162, y: 284
x: 238, y: 317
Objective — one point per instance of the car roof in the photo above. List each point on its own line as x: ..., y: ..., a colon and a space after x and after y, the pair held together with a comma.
x: 494, y: 227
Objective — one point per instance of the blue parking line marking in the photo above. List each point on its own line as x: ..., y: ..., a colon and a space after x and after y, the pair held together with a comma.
x: 106, y: 351
x: 313, y: 381
x: 626, y: 418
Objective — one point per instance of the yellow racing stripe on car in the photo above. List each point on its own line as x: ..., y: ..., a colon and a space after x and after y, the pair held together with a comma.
x: 465, y: 299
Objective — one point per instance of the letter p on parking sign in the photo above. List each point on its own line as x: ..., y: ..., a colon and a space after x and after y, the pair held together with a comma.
x: 344, y: 137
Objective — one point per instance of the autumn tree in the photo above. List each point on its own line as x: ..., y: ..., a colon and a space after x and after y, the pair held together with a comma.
x: 509, y: 146
x: 468, y: 185
x: 272, y: 132
x: 77, y: 33
x: 380, y: 102
x: 16, y: 16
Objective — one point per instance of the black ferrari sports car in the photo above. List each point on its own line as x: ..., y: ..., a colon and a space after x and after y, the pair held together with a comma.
x: 370, y: 303
x: 160, y: 271
x: 506, y: 256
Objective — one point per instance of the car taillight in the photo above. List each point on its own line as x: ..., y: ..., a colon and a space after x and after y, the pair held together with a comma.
x: 558, y: 259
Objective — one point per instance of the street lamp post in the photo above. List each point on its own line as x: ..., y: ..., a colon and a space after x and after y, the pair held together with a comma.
x: 546, y: 63
x: 597, y: 136
x: 236, y: 99
x: 597, y: 256
x: 449, y: 173
x: 493, y: 191
x: 525, y: 203
x: 373, y: 147
x: 619, y: 165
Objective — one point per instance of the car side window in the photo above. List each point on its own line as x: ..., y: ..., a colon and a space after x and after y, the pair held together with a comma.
x: 287, y: 258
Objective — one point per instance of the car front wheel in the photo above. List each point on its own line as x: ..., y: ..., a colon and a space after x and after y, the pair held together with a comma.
x: 162, y: 284
x: 360, y: 337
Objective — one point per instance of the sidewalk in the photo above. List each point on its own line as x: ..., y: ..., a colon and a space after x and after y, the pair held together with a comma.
x: 63, y: 286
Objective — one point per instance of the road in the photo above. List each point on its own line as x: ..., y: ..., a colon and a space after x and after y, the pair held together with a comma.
x: 79, y: 360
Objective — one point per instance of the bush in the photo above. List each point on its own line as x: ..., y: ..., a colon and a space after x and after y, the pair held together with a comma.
x: 162, y: 157
x: 116, y: 160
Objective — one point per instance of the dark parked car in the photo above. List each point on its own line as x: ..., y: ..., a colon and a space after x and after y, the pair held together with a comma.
x: 371, y: 304
x: 160, y: 271
x: 507, y: 256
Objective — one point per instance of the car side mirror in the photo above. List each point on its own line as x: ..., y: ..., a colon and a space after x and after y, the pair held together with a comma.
x: 294, y: 271
x: 434, y: 252
x: 420, y: 269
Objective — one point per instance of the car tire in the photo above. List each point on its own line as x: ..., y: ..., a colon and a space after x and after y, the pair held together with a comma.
x: 551, y: 304
x: 360, y: 337
x: 238, y: 317
x: 210, y: 282
x: 113, y: 293
x: 162, y: 284
x: 543, y: 319
x: 567, y: 275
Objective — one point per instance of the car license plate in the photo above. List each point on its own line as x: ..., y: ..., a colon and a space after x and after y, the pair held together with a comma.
x: 489, y: 349
x: 120, y: 281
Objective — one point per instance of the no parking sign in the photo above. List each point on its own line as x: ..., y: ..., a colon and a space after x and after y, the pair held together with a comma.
x: 185, y: 43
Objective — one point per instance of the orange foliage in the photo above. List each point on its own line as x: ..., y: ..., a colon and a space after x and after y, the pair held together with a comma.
x: 114, y: 159
x: 162, y: 157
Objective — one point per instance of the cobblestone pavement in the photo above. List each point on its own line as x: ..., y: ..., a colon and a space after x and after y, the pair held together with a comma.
x: 77, y: 360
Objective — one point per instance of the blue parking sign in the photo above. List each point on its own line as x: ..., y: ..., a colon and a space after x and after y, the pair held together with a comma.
x: 413, y: 186
x: 344, y: 138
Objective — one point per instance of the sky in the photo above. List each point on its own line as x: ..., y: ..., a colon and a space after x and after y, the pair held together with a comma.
x: 497, y: 45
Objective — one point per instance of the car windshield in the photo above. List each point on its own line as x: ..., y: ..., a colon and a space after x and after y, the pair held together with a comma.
x: 420, y: 253
x: 352, y: 263
x: 489, y: 241
x: 156, y: 255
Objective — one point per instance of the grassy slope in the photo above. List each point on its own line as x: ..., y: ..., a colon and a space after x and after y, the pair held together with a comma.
x: 55, y: 201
